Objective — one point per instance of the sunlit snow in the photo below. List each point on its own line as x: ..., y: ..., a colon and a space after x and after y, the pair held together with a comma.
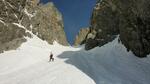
x: 109, y: 64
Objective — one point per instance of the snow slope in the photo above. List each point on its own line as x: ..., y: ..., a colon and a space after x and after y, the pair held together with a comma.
x: 29, y: 65
x: 110, y: 64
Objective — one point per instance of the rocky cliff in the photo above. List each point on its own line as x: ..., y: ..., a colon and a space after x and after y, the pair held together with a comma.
x: 20, y: 17
x: 80, y: 38
x: 130, y: 19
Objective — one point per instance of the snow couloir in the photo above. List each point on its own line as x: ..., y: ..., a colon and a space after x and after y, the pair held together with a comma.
x: 109, y: 64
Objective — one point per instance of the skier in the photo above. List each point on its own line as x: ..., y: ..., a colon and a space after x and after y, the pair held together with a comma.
x: 51, y: 57
x: 119, y: 40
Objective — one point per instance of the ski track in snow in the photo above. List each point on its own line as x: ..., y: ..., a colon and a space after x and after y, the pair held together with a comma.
x: 109, y: 64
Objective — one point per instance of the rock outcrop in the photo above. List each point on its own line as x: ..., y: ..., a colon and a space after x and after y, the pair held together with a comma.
x: 20, y: 17
x: 80, y: 38
x: 11, y: 35
x: 130, y: 19
x: 45, y: 21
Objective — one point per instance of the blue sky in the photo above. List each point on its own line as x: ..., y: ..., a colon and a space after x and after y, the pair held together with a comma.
x: 76, y: 15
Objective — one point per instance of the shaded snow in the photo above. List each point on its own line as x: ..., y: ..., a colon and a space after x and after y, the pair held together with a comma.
x: 109, y: 64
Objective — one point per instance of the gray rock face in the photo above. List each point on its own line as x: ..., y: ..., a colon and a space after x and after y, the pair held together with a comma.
x: 45, y: 21
x: 128, y: 18
x: 17, y: 17
x: 79, y: 40
x: 104, y: 25
x: 11, y: 35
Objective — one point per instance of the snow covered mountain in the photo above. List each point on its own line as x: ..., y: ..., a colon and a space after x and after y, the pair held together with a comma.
x: 29, y: 31
x: 128, y: 18
x: 17, y: 16
x: 109, y: 64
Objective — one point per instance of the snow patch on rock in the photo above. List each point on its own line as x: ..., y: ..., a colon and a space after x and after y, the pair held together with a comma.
x: 28, y: 14
x: 3, y: 22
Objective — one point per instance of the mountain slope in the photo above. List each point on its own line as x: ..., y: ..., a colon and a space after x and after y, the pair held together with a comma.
x: 44, y: 20
x: 109, y: 64
x: 128, y: 18
x: 29, y: 65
